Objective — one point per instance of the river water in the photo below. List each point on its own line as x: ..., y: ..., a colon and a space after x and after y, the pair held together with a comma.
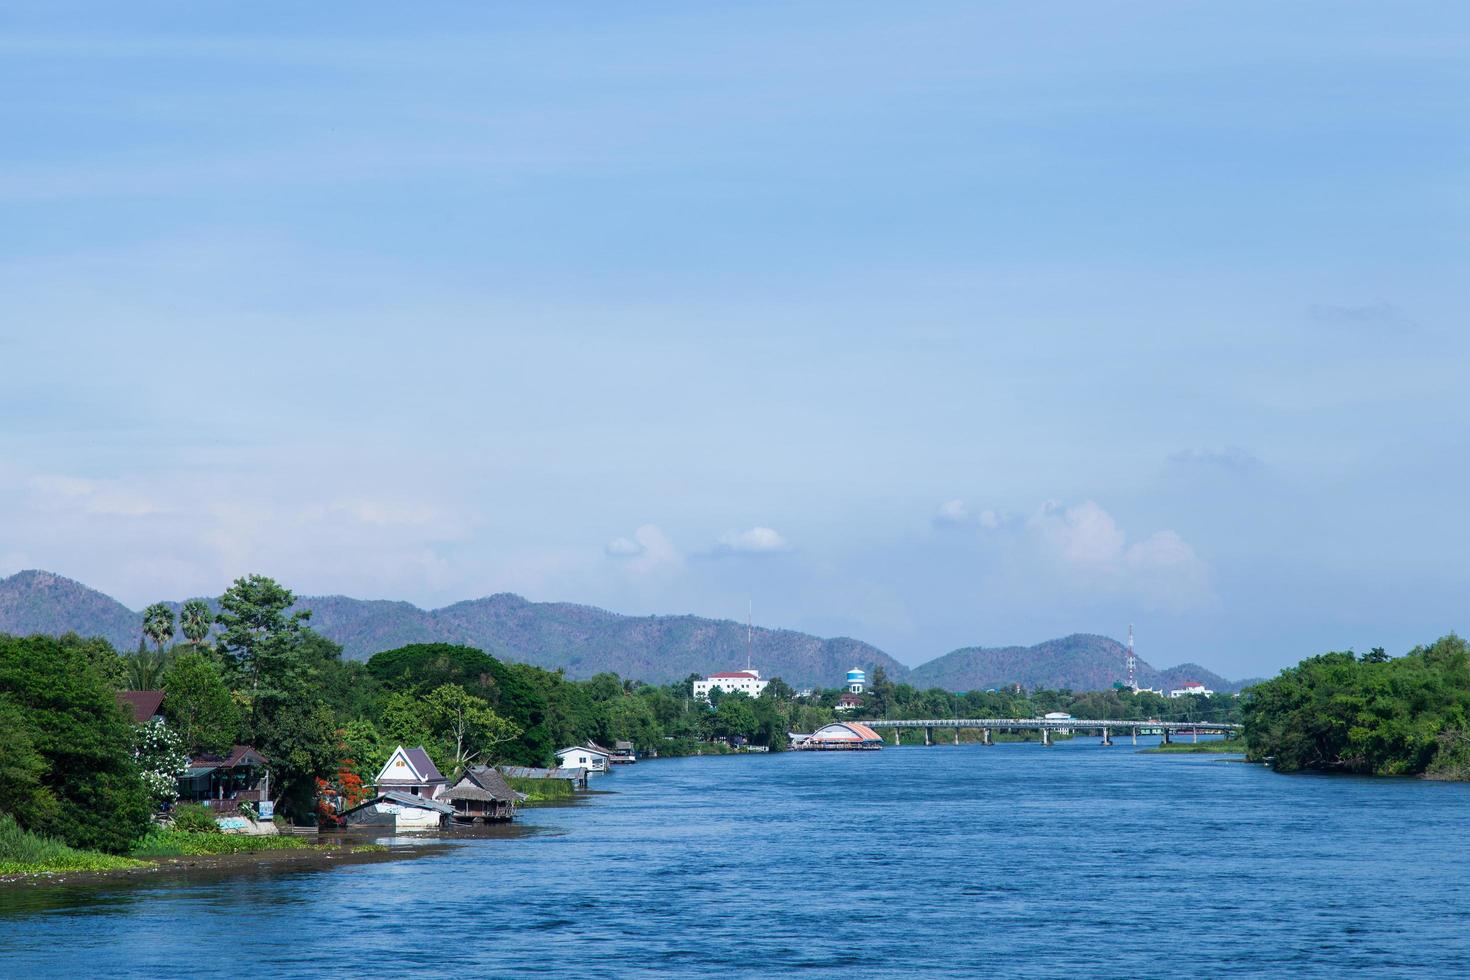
x: 1013, y: 860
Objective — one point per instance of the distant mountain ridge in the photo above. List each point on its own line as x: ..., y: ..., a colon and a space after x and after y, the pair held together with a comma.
x: 585, y: 640
x: 1081, y: 662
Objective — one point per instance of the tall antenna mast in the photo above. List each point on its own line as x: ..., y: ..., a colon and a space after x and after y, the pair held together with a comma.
x: 1131, y: 685
x: 749, y: 615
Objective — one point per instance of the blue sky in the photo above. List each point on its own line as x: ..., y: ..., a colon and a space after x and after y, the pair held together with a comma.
x: 934, y: 324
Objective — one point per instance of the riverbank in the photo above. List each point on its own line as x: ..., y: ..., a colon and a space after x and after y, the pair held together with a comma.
x: 1212, y: 747
x: 29, y: 859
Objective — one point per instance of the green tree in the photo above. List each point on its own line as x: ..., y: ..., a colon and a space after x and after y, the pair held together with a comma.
x: 734, y: 717
x: 256, y: 636
x: 158, y: 625
x: 195, y: 619
x: 300, y: 745
x: 75, y: 725
x: 467, y: 727
x: 144, y: 670
x: 364, y: 748
x: 24, y: 794
x: 880, y: 693
x: 779, y: 690
x: 197, y: 702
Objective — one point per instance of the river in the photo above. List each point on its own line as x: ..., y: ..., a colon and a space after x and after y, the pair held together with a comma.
x: 1012, y: 860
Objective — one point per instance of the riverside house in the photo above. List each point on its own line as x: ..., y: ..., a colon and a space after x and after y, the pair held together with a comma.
x: 399, y: 811
x: 141, y: 706
x: 223, y: 782
x: 594, y: 760
x: 411, y: 771
x: 481, y: 796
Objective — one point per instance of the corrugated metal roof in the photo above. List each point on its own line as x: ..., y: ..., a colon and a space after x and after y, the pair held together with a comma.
x: 403, y: 799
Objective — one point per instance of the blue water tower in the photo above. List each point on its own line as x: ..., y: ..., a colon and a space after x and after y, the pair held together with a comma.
x: 856, y: 679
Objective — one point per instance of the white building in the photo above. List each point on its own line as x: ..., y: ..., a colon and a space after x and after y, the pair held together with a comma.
x: 1059, y: 716
x: 582, y: 757
x: 848, y: 702
x: 1190, y: 687
x: 747, y: 682
x: 412, y: 772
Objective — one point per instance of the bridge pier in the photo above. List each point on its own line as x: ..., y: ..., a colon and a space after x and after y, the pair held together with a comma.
x: 1045, y: 736
x: 897, y: 737
x: 1135, y: 736
x: 957, y: 736
x: 1107, y: 737
x: 1194, y: 736
x: 985, y: 738
x: 928, y: 737
x: 1167, y: 740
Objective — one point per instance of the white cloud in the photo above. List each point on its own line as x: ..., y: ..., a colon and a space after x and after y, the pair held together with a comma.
x: 648, y: 550
x: 623, y: 548
x: 1086, y: 550
x: 952, y: 512
x: 1083, y: 535
x: 755, y: 540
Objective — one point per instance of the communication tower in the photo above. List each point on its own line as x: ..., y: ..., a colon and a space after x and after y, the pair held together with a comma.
x: 1132, y: 685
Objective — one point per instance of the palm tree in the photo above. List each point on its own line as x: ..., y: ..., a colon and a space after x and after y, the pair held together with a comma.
x: 158, y: 624
x: 196, y: 619
x: 145, y: 670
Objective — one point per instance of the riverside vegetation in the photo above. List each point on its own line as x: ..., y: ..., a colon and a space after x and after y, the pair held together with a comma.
x: 1369, y: 714
x: 76, y: 773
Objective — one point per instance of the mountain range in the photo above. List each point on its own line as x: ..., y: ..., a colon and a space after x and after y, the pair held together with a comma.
x: 584, y: 640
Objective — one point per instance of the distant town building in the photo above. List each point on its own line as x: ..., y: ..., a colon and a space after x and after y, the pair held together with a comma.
x: 1189, y: 687
x: 856, y: 681
x: 1059, y: 716
x: 747, y: 682
x: 848, y: 702
x: 842, y: 735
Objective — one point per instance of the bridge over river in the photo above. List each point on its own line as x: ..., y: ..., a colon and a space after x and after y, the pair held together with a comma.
x: 1057, y: 726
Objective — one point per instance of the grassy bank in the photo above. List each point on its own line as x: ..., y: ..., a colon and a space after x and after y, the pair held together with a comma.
x: 542, y: 790
x: 160, y: 843
x: 1212, y: 747
x: 22, y: 852
x: 26, y: 853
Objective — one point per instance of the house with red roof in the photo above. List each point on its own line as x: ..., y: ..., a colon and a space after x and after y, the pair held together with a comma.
x: 141, y: 706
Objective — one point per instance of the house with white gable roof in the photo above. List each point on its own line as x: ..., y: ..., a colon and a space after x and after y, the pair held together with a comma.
x: 411, y: 772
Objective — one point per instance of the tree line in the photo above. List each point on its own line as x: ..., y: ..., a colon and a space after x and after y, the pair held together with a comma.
x: 1370, y: 714
x: 250, y: 670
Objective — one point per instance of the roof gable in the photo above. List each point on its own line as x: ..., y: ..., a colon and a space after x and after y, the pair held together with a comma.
x: 142, y: 705
x: 410, y: 766
x: 583, y: 748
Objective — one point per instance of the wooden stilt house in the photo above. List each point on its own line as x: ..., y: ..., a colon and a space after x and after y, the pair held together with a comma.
x: 482, y: 796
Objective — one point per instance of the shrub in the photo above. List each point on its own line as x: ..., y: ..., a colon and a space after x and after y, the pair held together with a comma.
x: 183, y: 843
x: 195, y: 818
x: 22, y: 852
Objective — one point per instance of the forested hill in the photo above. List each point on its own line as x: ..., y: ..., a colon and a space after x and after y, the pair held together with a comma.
x: 1080, y: 662
x: 582, y: 639
x: 585, y: 641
